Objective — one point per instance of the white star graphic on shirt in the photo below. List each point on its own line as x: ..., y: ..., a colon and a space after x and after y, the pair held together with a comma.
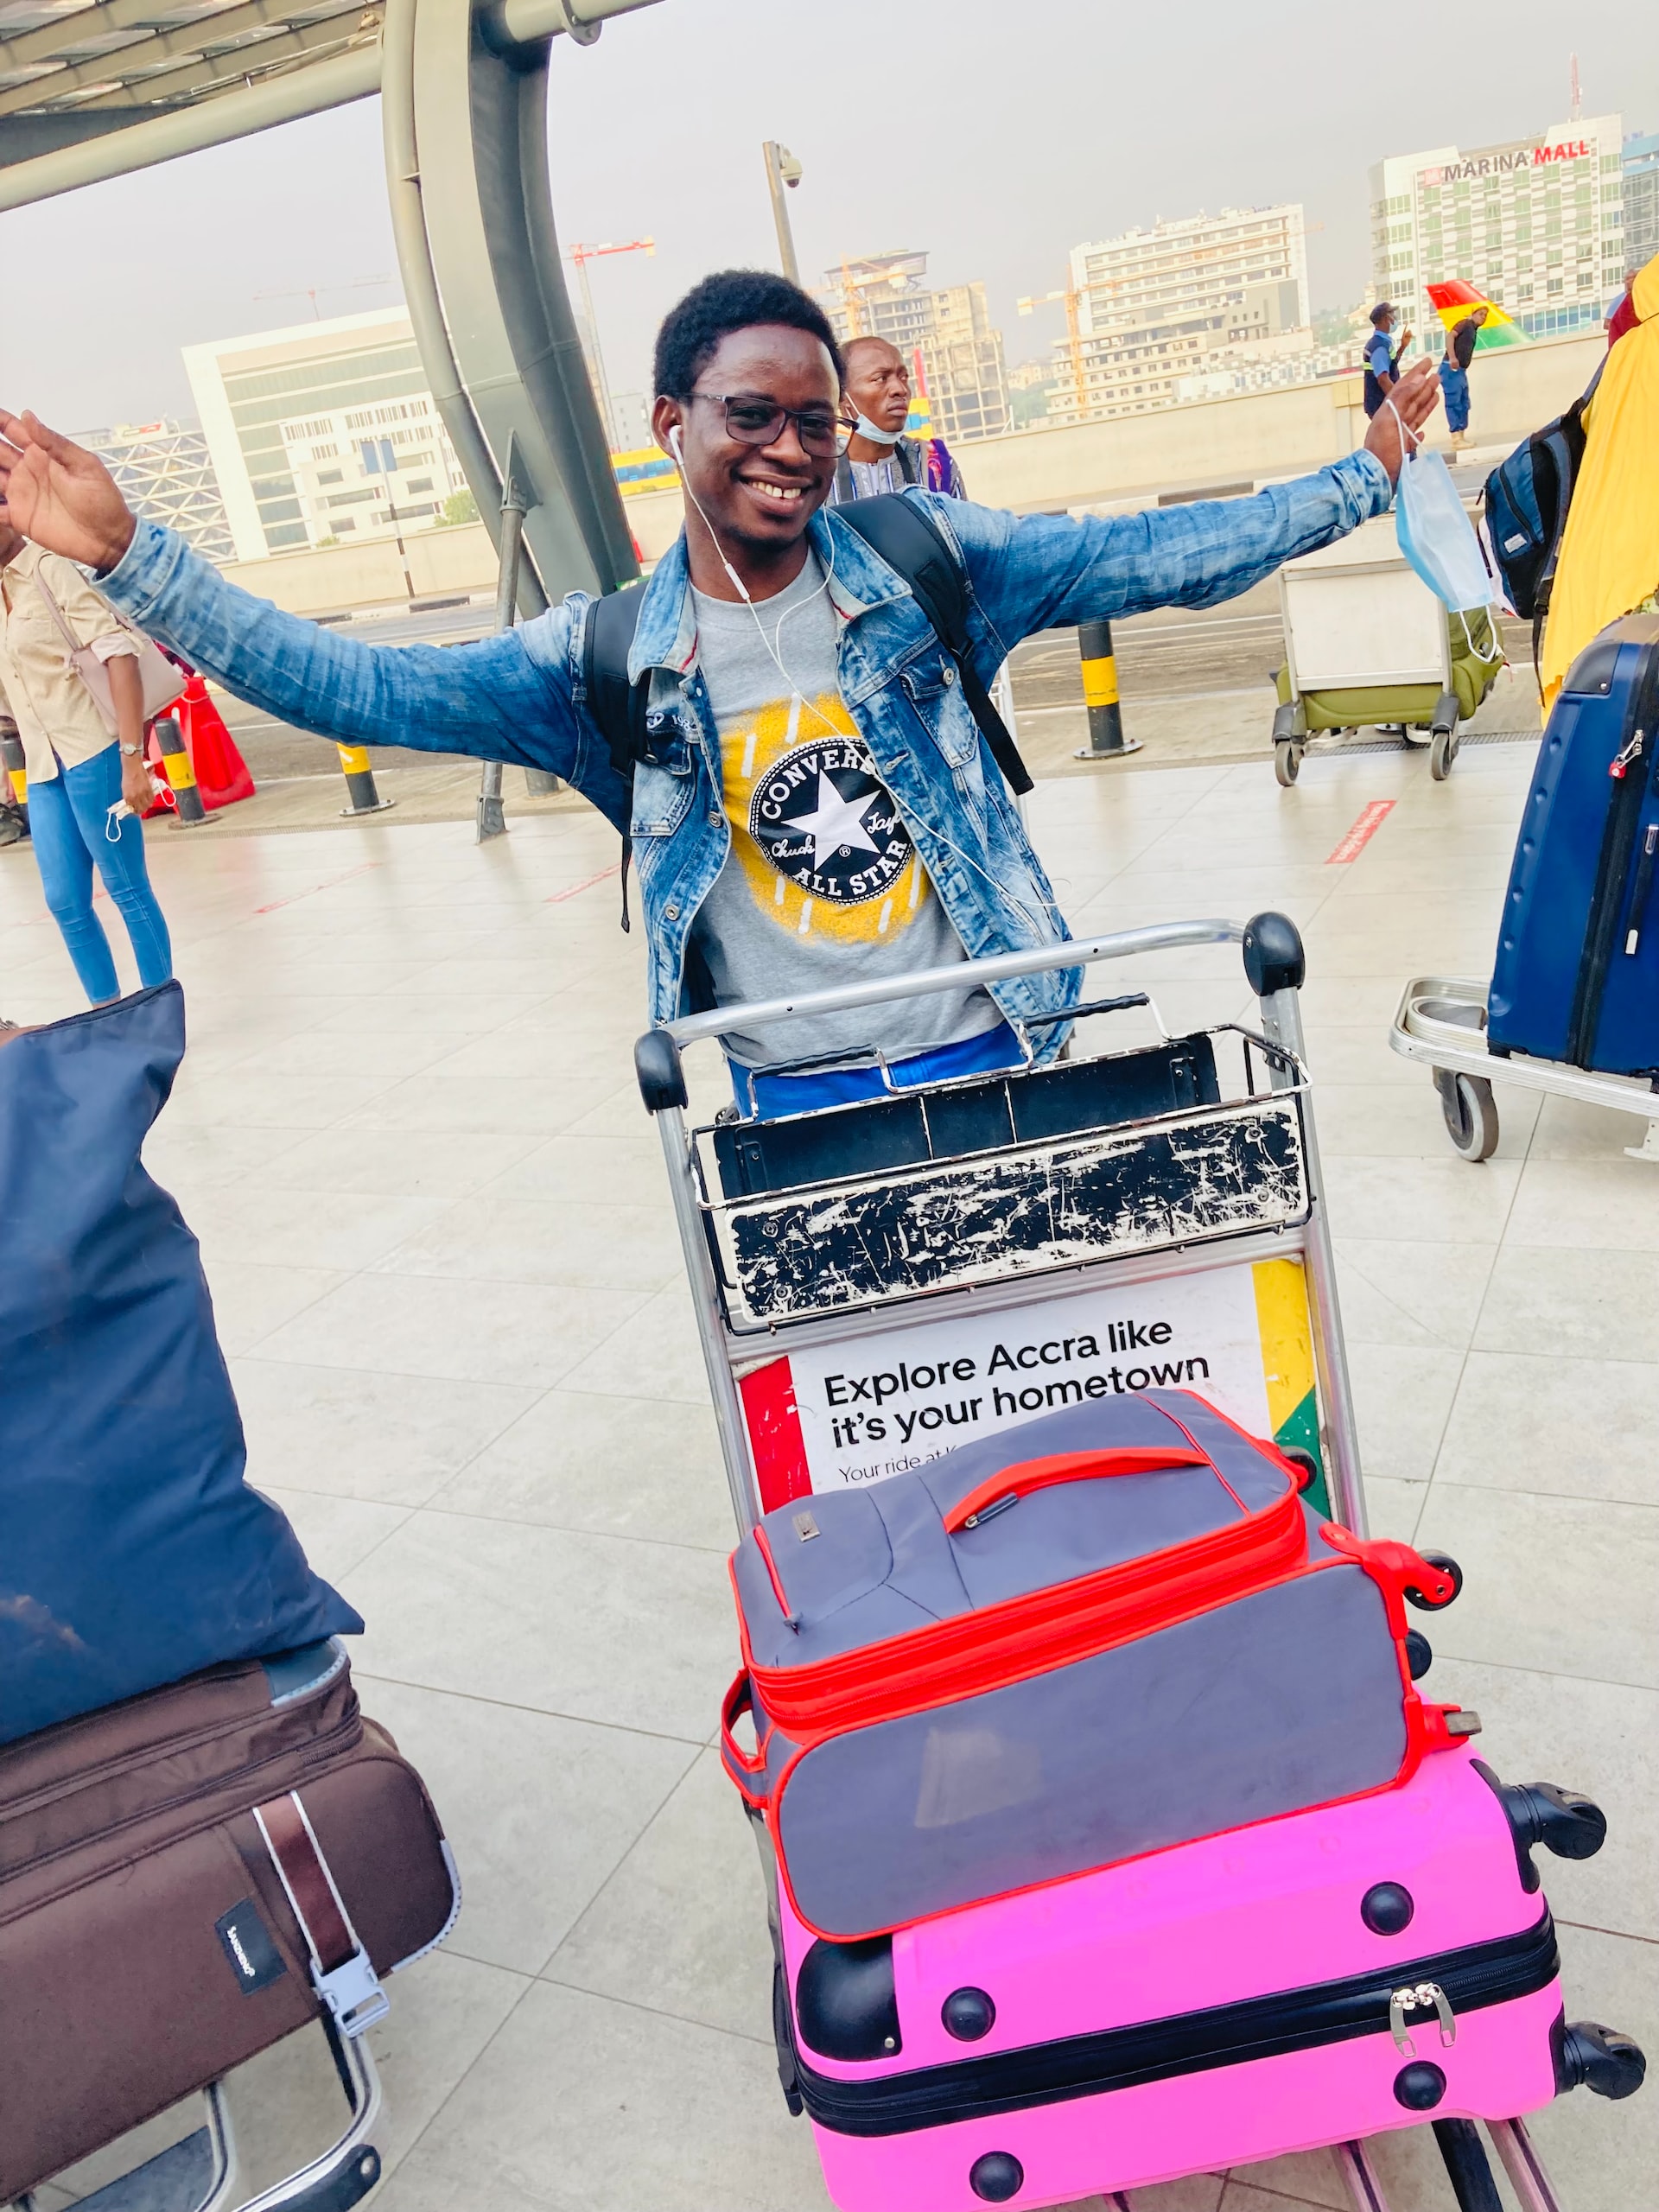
x: 835, y: 822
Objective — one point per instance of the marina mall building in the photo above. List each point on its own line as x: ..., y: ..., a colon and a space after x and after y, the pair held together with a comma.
x: 1536, y: 224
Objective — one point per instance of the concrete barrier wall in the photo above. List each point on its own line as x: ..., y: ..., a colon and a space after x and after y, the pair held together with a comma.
x: 1212, y: 443
x: 1255, y: 435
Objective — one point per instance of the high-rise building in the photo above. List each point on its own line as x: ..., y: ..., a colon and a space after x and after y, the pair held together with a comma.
x: 1195, y: 298
x: 1536, y: 224
x: 883, y: 295
x: 270, y: 404
x: 166, y: 474
x: 1639, y: 173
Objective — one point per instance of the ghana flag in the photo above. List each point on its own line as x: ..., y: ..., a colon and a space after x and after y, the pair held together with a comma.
x: 1452, y: 301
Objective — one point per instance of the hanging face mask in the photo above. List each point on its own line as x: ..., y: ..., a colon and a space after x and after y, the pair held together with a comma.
x: 1435, y: 533
x: 877, y: 436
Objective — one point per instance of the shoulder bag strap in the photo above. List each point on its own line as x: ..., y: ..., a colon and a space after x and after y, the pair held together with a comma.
x: 902, y: 532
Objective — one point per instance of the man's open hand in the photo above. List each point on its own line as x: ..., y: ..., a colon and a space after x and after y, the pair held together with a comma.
x: 60, y: 495
x: 1416, y: 396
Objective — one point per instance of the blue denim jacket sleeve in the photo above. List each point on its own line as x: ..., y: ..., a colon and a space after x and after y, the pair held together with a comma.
x: 1030, y: 573
x: 510, y: 697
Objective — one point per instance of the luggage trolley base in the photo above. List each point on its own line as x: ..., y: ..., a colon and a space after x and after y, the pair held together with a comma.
x: 198, y: 2174
x: 1441, y: 1023
x: 1275, y: 966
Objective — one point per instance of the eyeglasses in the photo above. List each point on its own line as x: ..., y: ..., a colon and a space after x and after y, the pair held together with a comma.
x: 761, y: 422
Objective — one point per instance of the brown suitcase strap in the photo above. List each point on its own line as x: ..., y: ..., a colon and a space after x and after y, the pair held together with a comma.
x: 340, y: 1968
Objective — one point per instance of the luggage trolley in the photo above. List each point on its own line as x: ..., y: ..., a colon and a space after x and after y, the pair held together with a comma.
x: 1367, y: 642
x: 983, y: 1249
x: 1441, y: 1022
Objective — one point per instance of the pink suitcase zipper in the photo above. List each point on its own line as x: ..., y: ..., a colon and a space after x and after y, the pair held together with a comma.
x: 1305, y: 1982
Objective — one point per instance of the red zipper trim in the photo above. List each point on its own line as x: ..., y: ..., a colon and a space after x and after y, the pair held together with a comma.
x: 1029, y: 1635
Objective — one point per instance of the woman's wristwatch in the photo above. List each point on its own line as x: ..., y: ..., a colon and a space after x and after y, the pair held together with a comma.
x: 132, y: 752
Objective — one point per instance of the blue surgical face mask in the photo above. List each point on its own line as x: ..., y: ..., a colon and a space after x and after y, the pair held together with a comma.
x: 865, y: 429
x: 1435, y: 533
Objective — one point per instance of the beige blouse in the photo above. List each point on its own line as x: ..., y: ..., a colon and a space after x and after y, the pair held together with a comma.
x: 52, y: 709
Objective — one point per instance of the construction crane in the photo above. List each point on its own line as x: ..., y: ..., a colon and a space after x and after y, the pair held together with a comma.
x: 581, y: 255
x: 1074, y: 335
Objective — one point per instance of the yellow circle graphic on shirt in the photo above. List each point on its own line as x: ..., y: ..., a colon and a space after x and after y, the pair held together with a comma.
x: 818, y: 836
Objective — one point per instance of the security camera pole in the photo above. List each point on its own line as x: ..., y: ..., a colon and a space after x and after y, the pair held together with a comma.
x: 782, y: 169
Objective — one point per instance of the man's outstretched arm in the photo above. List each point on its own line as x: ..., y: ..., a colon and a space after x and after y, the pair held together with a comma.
x: 503, y: 698
x: 1044, y: 570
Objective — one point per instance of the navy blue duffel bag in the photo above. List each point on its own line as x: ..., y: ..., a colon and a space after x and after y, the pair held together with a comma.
x: 131, y: 1551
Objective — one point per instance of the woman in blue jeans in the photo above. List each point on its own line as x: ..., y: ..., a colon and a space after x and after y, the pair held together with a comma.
x: 87, y: 790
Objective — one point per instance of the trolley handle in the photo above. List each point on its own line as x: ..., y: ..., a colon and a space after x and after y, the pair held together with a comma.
x: 1271, y: 943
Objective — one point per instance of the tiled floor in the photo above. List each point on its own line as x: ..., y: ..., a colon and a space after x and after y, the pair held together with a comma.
x: 434, y: 1221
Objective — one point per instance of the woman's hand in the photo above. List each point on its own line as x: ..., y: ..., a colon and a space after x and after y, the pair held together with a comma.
x: 1416, y: 396
x: 137, y: 786
x: 60, y: 495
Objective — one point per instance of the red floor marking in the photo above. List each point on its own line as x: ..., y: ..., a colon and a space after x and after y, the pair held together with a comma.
x: 557, y: 898
x: 293, y: 898
x: 1367, y: 822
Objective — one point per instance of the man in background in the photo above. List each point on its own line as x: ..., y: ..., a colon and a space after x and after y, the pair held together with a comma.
x: 1454, y: 374
x: 875, y: 402
x: 1382, y: 358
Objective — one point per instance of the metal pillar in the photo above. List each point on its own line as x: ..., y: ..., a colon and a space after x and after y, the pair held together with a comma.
x: 1106, y: 738
x: 465, y: 105
x: 517, y: 501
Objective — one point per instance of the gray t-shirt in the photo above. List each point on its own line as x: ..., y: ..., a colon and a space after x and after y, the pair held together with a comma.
x: 822, y: 885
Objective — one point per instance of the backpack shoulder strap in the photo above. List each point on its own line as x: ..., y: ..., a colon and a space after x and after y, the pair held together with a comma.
x: 616, y: 706
x: 903, y: 535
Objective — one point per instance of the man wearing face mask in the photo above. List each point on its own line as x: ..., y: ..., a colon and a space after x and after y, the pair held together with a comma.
x: 876, y: 401
x: 815, y: 801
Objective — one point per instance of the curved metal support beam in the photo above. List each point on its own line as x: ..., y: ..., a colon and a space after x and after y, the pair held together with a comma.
x: 466, y: 158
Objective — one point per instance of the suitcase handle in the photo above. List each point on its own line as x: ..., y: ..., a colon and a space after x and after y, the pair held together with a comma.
x: 1009, y: 1484
x: 739, y: 1699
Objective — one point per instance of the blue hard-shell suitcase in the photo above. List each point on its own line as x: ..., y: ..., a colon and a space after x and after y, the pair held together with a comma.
x: 1576, y: 976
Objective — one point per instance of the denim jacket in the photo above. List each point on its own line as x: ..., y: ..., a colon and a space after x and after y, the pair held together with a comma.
x: 519, y: 697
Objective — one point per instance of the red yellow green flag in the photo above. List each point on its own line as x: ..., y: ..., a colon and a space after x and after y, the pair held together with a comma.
x: 1454, y: 299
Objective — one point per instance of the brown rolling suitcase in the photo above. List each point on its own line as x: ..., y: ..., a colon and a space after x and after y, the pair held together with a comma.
x: 186, y: 1878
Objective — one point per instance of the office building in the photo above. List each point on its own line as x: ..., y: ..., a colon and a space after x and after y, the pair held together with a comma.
x: 166, y: 474
x: 1639, y: 174
x: 271, y: 404
x: 1189, y: 300
x: 1536, y: 224
x: 884, y: 295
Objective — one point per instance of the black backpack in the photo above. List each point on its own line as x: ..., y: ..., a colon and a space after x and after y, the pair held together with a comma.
x: 1527, y: 499
x: 905, y: 536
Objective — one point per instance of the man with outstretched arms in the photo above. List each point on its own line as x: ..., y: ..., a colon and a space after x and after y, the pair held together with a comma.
x: 820, y: 807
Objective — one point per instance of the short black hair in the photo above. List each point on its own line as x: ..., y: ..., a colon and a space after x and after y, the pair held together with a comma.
x: 732, y: 299
x: 1383, y: 307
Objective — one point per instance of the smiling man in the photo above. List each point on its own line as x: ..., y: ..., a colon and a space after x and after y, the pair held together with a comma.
x: 819, y: 804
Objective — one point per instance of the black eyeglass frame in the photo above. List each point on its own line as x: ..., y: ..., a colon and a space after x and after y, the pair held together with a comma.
x: 774, y: 428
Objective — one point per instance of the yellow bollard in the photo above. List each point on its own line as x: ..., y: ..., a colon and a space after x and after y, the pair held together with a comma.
x: 360, y: 782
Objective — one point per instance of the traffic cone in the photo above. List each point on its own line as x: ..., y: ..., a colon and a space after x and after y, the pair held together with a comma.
x: 222, y: 775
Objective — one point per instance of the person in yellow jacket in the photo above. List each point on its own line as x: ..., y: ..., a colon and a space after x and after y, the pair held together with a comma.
x: 1609, y: 552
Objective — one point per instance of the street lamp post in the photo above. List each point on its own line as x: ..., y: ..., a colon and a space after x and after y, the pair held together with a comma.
x: 782, y: 169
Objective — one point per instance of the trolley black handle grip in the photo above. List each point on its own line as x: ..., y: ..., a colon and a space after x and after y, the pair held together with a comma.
x: 1274, y: 959
x: 657, y: 1066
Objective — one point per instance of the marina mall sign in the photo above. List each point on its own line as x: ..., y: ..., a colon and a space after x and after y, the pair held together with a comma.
x: 1512, y: 157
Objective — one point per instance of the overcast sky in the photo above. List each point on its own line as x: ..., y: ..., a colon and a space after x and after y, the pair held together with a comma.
x: 996, y: 138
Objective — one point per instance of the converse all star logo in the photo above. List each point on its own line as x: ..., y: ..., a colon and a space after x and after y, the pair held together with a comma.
x: 825, y: 821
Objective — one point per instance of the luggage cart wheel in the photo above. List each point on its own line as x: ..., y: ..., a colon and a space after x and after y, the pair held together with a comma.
x: 1470, y: 1113
x: 1287, y: 763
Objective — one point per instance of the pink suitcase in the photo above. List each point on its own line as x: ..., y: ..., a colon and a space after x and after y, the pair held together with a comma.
x: 1305, y: 1982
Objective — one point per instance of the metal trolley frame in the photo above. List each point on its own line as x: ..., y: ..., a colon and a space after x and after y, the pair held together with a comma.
x: 1441, y: 1022
x: 736, y: 1339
